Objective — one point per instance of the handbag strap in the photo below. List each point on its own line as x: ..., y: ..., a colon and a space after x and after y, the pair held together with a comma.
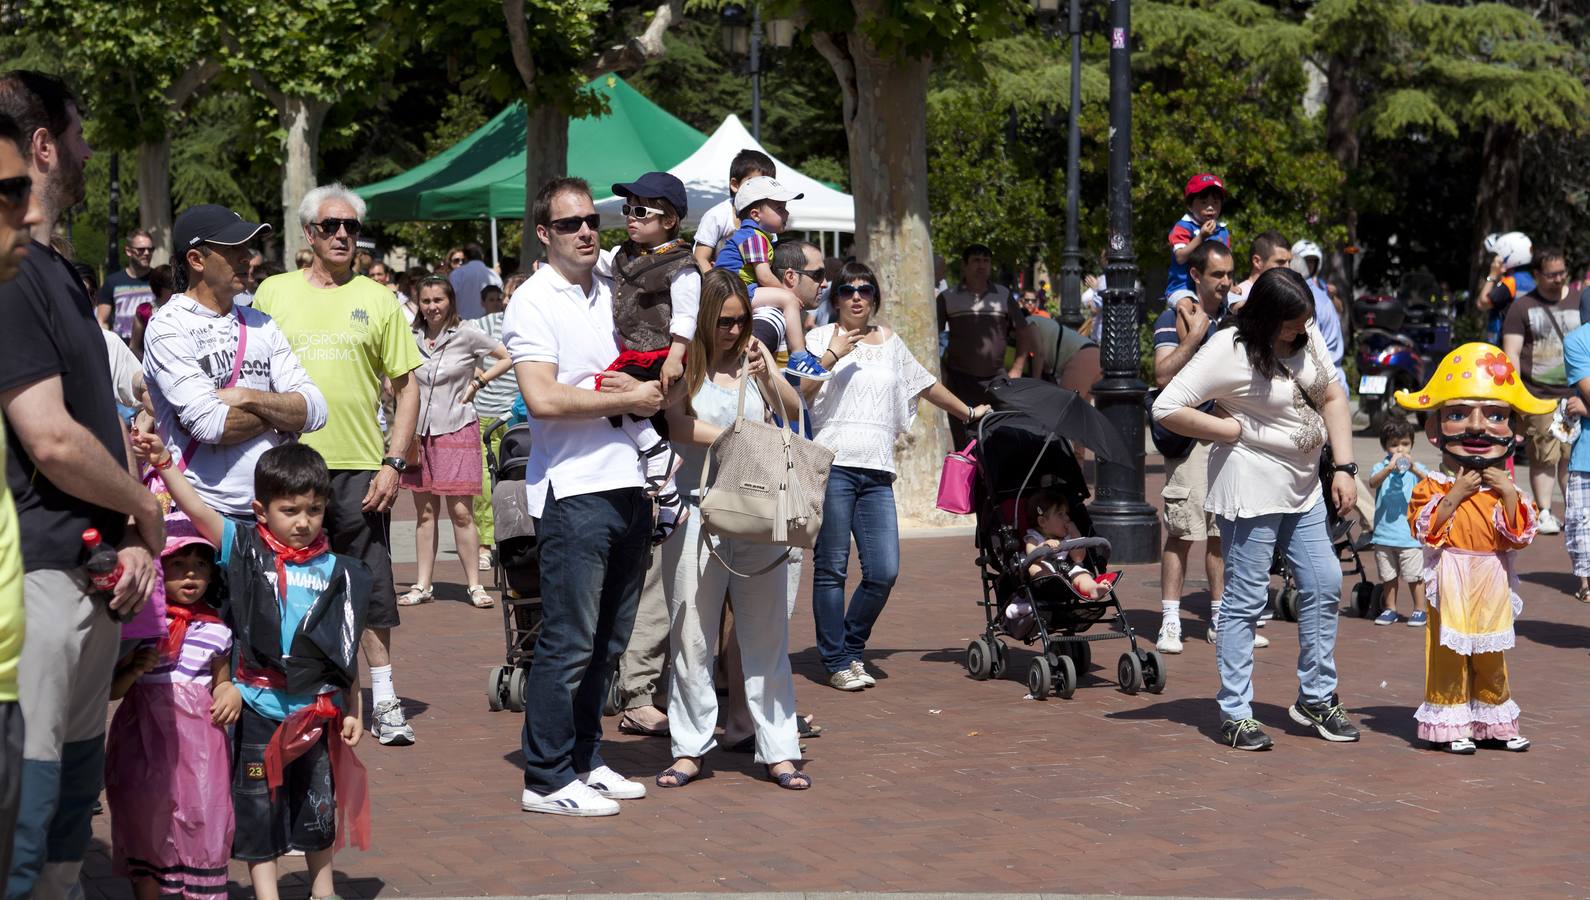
x: 782, y: 558
x: 231, y: 380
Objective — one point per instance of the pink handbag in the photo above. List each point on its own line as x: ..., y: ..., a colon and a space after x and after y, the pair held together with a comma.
x: 956, y: 480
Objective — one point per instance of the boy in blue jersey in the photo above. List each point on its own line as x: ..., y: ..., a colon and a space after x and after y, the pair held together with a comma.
x: 1205, y: 195
x: 297, y: 611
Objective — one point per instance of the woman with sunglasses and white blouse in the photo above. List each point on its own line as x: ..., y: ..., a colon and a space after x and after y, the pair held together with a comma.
x: 870, y: 401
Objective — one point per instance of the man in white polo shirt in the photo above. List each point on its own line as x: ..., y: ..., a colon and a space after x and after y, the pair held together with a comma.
x: 585, y: 488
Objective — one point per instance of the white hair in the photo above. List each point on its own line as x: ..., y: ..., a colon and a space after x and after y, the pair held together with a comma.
x: 309, y: 207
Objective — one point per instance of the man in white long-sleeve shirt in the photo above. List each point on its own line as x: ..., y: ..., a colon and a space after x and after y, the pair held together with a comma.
x: 223, y: 380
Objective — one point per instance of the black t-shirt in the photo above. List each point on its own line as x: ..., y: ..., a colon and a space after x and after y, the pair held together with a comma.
x: 50, y: 330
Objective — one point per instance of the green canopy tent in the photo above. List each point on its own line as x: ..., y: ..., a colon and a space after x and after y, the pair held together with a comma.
x: 482, y: 176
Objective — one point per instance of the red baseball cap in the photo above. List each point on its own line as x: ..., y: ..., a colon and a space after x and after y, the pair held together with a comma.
x: 1201, y: 182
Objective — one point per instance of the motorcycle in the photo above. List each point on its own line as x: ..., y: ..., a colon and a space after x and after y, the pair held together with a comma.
x: 1401, y: 339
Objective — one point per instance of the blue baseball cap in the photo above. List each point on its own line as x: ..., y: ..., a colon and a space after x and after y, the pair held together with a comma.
x: 660, y: 185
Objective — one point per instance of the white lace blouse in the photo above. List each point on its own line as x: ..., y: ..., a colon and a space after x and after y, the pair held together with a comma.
x: 870, y: 401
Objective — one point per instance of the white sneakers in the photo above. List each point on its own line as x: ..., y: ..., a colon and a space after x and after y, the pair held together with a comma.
x: 1169, y: 635
x: 1259, y: 640
x: 594, y: 793
x: 860, y: 671
x: 846, y: 680
x: 1547, y: 524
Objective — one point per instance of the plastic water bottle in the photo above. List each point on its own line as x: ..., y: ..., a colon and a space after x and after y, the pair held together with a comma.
x: 1404, y: 464
x: 104, y: 569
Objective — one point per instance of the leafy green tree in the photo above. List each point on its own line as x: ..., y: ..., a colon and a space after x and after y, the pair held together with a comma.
x: 978, y: 192
x: 304, y: 55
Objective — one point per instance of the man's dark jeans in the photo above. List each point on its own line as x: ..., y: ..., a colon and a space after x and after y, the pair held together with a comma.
x: 593, y: 560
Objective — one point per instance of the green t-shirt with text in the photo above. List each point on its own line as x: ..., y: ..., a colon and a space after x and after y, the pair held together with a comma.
x: 347, y: 338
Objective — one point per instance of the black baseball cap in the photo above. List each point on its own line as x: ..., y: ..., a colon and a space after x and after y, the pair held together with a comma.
x: 660, y: 185
x: 211, y: 223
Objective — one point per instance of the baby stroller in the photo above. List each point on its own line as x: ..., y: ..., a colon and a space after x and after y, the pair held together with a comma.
x: 1346, y: 544
x: 517, y: 572
x: 1020, y: 449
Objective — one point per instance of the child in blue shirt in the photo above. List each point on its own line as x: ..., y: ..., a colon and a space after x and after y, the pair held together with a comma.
x: 296, y: 610
x: 1397, y: 552
x: 1576, y: 490
x: 1205, y: 195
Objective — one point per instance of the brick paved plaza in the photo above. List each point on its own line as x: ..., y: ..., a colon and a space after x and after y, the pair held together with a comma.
x: 934, y: 782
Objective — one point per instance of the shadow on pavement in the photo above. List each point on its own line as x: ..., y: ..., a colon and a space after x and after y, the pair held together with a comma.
x: 1395, y: 721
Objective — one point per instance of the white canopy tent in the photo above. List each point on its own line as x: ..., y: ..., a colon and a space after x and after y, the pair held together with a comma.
x: 706, y: 177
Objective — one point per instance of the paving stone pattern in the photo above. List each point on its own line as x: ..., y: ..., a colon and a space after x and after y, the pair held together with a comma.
x: 934, y: 782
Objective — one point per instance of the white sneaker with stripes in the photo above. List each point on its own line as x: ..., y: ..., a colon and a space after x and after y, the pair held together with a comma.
x: 573, y: 799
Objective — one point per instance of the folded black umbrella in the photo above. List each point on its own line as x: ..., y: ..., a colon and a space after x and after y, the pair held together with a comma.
x: 1061, y: 412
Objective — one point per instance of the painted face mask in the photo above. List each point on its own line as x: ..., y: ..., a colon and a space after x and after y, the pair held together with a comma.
x: 1475, y: 375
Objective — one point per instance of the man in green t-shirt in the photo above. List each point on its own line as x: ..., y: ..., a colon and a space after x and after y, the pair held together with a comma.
x: 349, y: 335
x: 16, y: 218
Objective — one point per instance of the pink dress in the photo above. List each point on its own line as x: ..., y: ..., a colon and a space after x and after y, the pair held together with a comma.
x: 168, y: 774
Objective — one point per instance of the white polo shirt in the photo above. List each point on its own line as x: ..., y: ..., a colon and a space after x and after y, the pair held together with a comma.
x: 551, y: 320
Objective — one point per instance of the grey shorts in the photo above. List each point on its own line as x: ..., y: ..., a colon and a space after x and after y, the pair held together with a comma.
x: 1186, y: 484
x: 366, y: 537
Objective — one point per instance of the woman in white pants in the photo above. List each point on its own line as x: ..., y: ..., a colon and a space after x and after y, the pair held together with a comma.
x: 702, y: 579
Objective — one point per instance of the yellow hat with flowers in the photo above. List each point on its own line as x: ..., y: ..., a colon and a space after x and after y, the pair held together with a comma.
x: 1476, y: 371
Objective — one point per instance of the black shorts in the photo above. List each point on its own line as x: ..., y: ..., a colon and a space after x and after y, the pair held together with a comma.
x: 302, y: 815
x: 366, y: 537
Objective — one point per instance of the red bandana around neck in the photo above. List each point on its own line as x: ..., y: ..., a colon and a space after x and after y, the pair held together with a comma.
x: 285, y: 554
x: 177, y: 630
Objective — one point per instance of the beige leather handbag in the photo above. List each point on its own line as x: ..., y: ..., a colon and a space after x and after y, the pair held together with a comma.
x: 764, y: 483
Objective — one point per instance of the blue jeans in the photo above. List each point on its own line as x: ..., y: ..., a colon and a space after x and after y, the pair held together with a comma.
x: 593, y: 559
x: 1250, y: 548
x: 859, y: 502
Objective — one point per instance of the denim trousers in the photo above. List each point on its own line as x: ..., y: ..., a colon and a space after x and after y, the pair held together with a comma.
x: 1250, y: 546
x: 859, y: 502
x: 592, y: 549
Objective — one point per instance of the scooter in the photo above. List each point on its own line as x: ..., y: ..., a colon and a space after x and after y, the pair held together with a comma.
x: 1400, y: 339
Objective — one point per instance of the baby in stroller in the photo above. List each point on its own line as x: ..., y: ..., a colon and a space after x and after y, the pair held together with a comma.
x: 1049, y: 544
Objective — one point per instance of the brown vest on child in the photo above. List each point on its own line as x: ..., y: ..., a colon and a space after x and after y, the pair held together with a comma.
x: 642, y: 304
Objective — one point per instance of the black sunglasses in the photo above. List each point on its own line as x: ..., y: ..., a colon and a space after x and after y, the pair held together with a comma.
x: 846, y: 291
x: 328, y: 227
x: 731, y: 321
x: 571, y: 224
x: 814, y: 274
x: 16, y: 190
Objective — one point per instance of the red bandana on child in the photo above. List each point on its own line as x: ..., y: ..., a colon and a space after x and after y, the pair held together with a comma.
x: 286, y: 554
x: 181, y: 617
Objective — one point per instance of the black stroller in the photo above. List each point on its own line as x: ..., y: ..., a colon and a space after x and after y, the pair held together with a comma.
x: 1346, y: 544
x: 517, y: 569
x: 1023, y: 446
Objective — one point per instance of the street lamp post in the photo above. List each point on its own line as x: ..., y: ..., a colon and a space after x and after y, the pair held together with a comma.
x: 1119, y: 511
x: 1071, y: 259
x: 742, y: 38
x: 113, y: 217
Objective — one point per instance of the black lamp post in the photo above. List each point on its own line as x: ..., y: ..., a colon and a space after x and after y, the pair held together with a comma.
x: 742, y: 36
x: 113, y: 218
x: 1119, y: 511
x: 1071, y: 258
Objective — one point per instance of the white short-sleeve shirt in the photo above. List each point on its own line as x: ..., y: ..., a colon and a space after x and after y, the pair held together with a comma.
x: 716, y: 225
x: 551, y: 320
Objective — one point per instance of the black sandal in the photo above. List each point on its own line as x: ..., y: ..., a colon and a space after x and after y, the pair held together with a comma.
x: 680, y: 778
x: 788, y: 780
x: 663, y: 530
x: 1582, y: 595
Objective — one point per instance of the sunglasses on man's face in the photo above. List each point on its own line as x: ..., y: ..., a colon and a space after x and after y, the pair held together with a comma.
x: 329, y: 227
x: 141, y: 251
x: 572, y: 224
x: 16, y: 190
x: 846, y: 291
x: 641, y: 212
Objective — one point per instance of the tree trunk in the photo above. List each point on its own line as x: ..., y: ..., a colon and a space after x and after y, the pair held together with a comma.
x: 1496, y: 197
x: 302, y: 119
x: 886, y: 124
x: 546, y: 158
x: 1341, y: 141
x: 154, y: 195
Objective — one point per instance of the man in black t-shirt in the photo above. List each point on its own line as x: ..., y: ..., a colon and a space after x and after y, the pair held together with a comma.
x: 67, y: 470
x: 125, y: 288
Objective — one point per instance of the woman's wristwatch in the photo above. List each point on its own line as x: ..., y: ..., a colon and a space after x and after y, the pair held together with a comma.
x: 1349, y: 468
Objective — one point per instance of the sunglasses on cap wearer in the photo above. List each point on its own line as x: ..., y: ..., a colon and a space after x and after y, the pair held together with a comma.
x: 571, y: 224
x: 731, y: 321
x: 846, y: 291
x: 16, y: 190
x: 329, y: 226
x: 636, y: 211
